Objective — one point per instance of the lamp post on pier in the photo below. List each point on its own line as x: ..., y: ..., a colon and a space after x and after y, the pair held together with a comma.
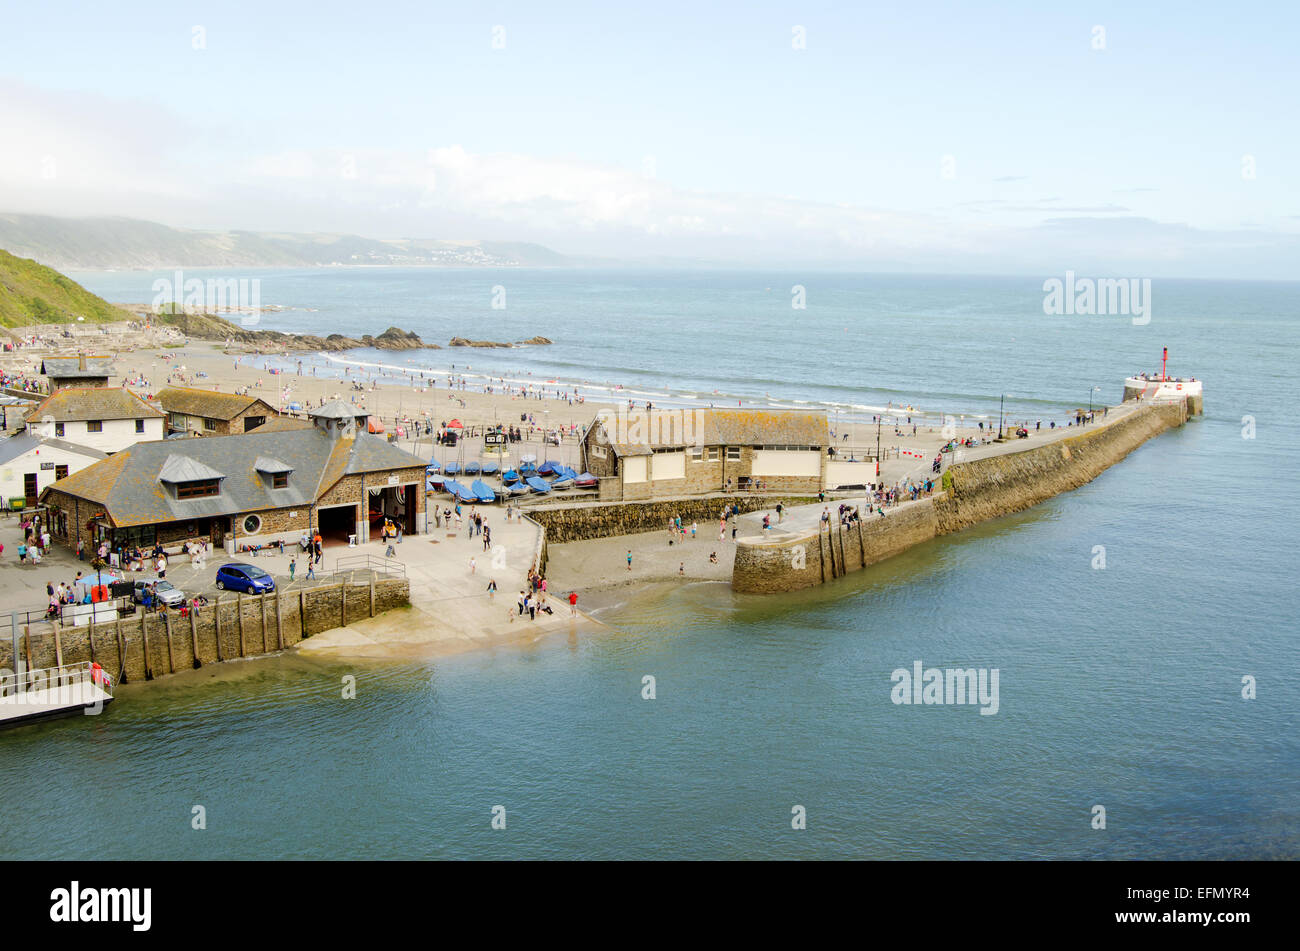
x: 1090, y: 392
x: 1001, y: 402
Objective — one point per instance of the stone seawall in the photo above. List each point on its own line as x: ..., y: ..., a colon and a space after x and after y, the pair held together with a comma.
x: 606, y: 519
x: 972, y: 492
x: 147, y: 646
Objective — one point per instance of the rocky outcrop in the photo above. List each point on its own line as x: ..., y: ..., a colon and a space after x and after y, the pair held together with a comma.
x: 530, y: 342
x: 213, y: 327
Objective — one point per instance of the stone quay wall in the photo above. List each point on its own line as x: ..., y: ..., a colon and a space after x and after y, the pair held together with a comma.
x: 972, y: 492
x: 606, y: 519
x: 145, y: 646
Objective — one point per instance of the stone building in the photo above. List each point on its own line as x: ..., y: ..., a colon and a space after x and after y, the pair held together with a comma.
x: 105, y: 418
x: 246, y: 489
x: 209, y: 413
x: 81, y: 371
x: 657, y: 453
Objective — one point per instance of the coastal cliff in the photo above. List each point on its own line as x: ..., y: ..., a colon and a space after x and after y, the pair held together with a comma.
x: 972, y: 492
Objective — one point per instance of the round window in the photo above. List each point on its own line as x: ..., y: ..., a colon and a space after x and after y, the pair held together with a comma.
x: 252, y: 525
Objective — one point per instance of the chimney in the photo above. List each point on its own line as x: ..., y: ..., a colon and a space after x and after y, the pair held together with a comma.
x: 81, y: 361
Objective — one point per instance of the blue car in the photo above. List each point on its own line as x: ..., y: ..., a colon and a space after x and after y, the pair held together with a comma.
x: 238, y: 576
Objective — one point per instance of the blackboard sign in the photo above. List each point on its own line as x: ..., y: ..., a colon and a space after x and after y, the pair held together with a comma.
x: 494, y: 439
x: 47, y: 465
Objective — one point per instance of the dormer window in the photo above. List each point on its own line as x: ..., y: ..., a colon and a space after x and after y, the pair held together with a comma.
x: 198, y: 489
x: 275, y: 472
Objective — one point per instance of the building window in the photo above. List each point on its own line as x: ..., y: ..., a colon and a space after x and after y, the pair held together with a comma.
x: 139, y: 425
x: 252, y: 422
x: 713, y: 454
x: 280, y: 480
x: 697, y: 454
x: 597, y: 452
x: 198, y: 488
x: 733, y: 453
x: 94, y: 425
x: 252, y: 525
x: 60, y: 472
x: 58, y: 429
x: 209, y: 424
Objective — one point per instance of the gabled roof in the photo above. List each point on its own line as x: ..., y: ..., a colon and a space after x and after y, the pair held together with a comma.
x: 337, y: 409
x: 23, y: 443
x: 180, y: 468
x: 192, y: 401
x: 280, y: 424
x: 129, y: 484
x: 268, y: 465
x: 669, y: 429
x: 91, y: 402
x: 69, y: 368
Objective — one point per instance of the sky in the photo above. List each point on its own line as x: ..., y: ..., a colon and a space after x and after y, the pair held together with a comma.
x: 1122, y: 139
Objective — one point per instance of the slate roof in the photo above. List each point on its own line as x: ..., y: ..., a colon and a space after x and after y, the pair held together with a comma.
x: 715, y: 427
x: 192, y: 401
x: 337, y: 409
x: 127, y: 484
x: 91, y: 402
x: 280, y: 424
x: 69, y: 368
x: 25, y: 442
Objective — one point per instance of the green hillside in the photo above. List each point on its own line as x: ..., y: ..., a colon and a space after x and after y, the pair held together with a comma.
x: 34, y: 293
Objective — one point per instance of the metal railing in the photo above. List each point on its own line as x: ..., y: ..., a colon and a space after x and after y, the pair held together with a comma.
x: 380, y: 566
x: 69, y: 678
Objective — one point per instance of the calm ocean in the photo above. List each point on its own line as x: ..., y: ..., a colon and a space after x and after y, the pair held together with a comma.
x: 1119, y: 687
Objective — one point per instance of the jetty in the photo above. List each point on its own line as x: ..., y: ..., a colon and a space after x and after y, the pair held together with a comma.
x: 45, y: 693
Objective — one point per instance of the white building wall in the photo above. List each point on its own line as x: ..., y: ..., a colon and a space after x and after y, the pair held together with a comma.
x: 633, y: 468
x: 779, y: 462
x: 12, y: 472
x: 117, y: 434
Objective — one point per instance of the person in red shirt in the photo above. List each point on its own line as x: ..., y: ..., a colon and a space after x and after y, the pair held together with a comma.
x: 573, y: 603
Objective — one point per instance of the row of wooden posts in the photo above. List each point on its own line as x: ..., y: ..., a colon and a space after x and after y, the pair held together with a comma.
x: 194, y: 634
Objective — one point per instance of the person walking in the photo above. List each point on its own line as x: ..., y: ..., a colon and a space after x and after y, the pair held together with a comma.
x: 492, y: 589
x: 573, y: 604
x: 629, y: 557
x: 293, y: 566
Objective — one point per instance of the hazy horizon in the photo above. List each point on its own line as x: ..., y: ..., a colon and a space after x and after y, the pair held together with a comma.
x: 1007, y: 140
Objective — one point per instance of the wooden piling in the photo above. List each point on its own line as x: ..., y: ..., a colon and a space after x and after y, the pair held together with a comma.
x: 343, y: 604
x: 58, y: 646
x: 279, y: 623
x: 302, y: 614
x: 239, y: 606
x: 262, y: 603
x: 144, y: 641
x: 216, y: 619
x: 194, y: 637
x: 171, y: 656
x: 372, y: 595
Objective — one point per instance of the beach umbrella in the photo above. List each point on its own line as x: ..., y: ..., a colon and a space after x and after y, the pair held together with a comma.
x: 455, y: 424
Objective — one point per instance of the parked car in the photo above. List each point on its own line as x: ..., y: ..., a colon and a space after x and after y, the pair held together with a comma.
x: 166, y: 592
x: 238, y: 576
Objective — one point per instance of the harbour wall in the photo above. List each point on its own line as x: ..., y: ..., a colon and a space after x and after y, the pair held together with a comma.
x: 145, y: 646
x: 574, y: 523
x: 972, y: 492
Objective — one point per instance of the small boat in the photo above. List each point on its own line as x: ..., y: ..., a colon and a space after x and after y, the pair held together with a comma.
x: 451, y: 468
x: 465, y: 494
x: 510, y: 477
x: 519, y: 488
x: 527, y: 469
x: 433, y: 467
x: 546, y: 469
x: 586, y: 481
x: 470, y: 468
x: 482, y: 491
x: 538, y: 485
x: 490, y: 468
x: 436, y: 482
x: 528, y: 458
x: 563, y: 482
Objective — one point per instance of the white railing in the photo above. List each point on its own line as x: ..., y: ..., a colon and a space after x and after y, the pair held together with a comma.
x: 77, y: 681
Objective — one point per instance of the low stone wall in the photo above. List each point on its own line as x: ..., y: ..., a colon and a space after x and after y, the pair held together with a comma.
x: 147, y: 646
x: 973, y: 492
x: 605, y: 519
